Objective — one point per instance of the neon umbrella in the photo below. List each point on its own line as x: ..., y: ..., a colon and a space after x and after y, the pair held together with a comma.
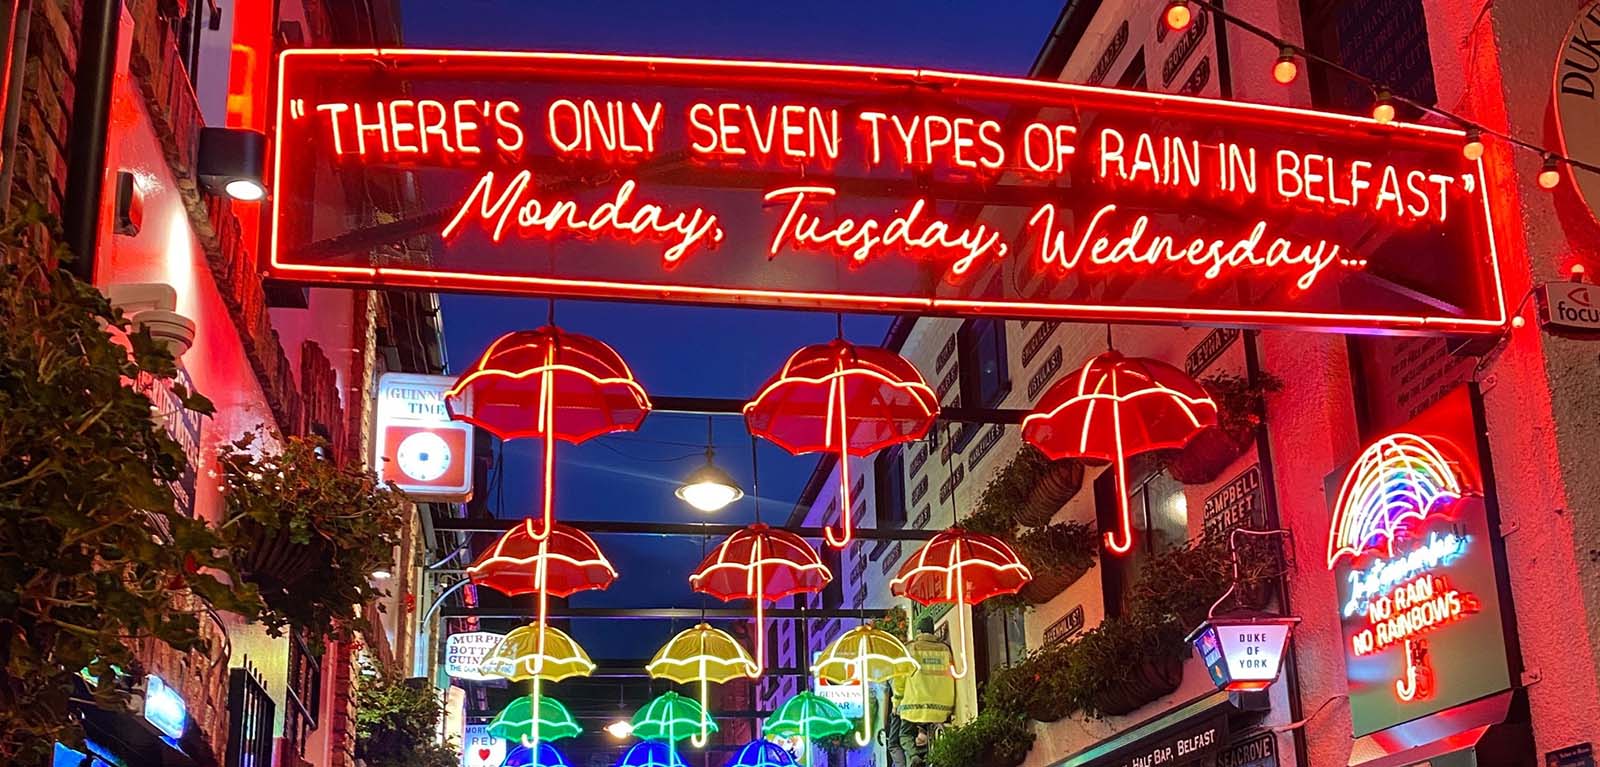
x: 548, y: 384
x: 702, y: 654
x: 760, y: 753
x: 562, y: 563
x: 762, y: 564
x: 867, y: 655
x: 516, y: 722
x: 541, y: 755
x: 651, y: 753
x: 808, y: 715
x: 671, y: 717
x: 1116, y: 407
x: 964, y: 568
x: 1399, y: 477
x: 544, y: 654
x: 846, y: 398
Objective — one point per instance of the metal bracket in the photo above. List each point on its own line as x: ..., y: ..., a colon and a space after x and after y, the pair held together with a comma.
x: 1531, y: 677
x: 1506, y: 529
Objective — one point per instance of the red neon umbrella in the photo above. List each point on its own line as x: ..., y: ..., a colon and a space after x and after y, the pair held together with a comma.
x: 551, y: 385
x: 562, y: 563
x: 763, y: 564
x: 841, y: 397
x: 1116, y: 407
x: 961, y: 567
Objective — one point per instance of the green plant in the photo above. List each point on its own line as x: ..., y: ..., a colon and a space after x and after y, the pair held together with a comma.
x: 1115, y: 660
x: 396, y: 720
x: 994, y: 739
x: 339, y: 522
x: 1241, y: 402
x: 895, y: 621
x: 1007, y: 493
x: 93, y: 552
x: 1071, y: 547
x: 1181, y: 583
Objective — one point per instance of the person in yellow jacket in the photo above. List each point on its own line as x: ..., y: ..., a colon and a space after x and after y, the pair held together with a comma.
x: 926, y: 698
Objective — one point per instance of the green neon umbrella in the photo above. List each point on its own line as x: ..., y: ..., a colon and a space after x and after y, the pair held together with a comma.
x: 808, y: 715
x: 671, y: 718
x: 515, y: 722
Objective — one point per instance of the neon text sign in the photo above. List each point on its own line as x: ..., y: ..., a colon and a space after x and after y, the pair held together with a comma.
x: 866, y: 188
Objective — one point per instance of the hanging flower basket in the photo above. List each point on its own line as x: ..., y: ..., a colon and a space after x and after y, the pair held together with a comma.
x: 1058, y: 555
x: 1027, y: 491
x: 1057, y: 483
x: 1241, y: 405
x: 1146, y: 681
x: 272, y: 559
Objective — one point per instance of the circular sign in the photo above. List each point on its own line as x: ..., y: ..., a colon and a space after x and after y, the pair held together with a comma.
x: 1577, y: 105
x: 423, y: 456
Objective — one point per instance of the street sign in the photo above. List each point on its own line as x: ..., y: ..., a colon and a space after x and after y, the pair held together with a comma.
x: 464, y: 652
x: 417, y: 448
x: 479, y: 748
x: 1569, y: 308
x: 860, y: 188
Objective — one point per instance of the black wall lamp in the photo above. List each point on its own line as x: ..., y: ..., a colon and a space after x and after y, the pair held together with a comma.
x: 231, y: 162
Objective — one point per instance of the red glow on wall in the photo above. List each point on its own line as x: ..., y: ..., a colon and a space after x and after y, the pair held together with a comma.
x: 870, y: 188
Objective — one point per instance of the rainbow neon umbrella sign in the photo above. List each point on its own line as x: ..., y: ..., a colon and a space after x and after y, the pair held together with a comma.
x: 1397, y: 478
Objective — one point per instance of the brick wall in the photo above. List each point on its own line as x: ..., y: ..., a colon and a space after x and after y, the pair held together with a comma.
x: 40, y: 159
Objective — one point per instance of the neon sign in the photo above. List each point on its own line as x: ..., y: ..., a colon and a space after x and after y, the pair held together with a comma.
x: 869, y: 188
x: 1411, y: 550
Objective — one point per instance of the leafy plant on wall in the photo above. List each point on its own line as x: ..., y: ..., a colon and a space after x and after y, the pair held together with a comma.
x: 308, y: 532
x: 93, y: 552
x: 396, y: 721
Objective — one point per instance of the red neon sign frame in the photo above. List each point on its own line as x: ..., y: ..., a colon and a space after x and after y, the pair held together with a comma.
x: 1139, y: 207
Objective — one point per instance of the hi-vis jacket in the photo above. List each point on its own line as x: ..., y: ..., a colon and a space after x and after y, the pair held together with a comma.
x: 929, y: 695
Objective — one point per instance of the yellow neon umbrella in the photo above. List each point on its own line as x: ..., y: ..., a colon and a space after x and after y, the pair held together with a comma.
x: 702, y: 654
x: 540, y: 655
x: 865, y: 654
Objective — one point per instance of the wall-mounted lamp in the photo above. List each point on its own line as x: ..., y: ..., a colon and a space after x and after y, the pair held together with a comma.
x: 1243, y: 651
x: 153, y: 306
x: 231, y: 162
x: 129, y: 213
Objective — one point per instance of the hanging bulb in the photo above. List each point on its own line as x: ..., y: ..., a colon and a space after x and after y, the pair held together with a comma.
x: 1178, y: 15
x: 1550, y: 175
x: 1287, y: 70
x: 1383, y: 107
x: 1473, y: 148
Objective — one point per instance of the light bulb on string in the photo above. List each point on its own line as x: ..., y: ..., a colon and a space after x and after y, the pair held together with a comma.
x: 1472, y: 149
x: 1383, y: 107
x: 1178, y: 15
x: 1550, y: 174
x: 1286, y: 70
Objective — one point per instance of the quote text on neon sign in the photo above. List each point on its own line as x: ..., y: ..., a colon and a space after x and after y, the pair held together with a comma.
x: 510, y: 201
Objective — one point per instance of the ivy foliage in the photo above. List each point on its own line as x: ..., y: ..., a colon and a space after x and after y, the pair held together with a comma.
x: 994, y: 738
x: 93, y: 552
x: 396, y: 722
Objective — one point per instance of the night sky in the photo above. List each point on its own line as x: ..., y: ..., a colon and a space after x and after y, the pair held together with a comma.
x: 684, y: 350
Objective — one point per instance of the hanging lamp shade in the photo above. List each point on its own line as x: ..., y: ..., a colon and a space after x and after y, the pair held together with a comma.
x: 702, y: 655
x: 561, y: 564
x: 1116, y: 407
x: 516, y: 722
x: 541, y: 755
x: 760, y: 753
x: 846, y: 399
x: 865, y: 654
x: 671, y: 717
x: 651, y: 753
x: 548, y: 384
x: 529, y: 653
x: 762, y: 564
x: 964, y: 568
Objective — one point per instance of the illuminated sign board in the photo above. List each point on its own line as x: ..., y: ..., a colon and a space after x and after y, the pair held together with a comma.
x: 164, y: 708
x: 464, y: 653
x: 870, y: 189
x: 417, y: 448
x: 1410, y: 551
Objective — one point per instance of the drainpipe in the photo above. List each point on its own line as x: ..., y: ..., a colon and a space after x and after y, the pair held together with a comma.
x: 87, y: 138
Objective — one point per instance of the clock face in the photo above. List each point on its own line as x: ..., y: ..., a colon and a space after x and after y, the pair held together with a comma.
x: 423, y: 456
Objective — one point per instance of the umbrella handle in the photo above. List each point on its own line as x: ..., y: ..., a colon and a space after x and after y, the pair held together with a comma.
x: 846, y: 523
x: 547, y: 423
x: 703, y: 737
x: 958, y: 668
x: 864, y: 737
x: 1124, y: 516
x: 761, y: 621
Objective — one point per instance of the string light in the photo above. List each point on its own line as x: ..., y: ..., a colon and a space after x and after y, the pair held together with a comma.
x: 1550, y: 174
x: 1473, y: 148
x: 1577, y: 271
x: 1287, y: 70
x: 1383, y: 107
x: 1178, y: 15
x: 1474, y: 130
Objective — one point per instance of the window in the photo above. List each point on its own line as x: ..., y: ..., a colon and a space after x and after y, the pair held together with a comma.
x: 889, y: 487
x: 833, y: 593
x: 1159, y: 512
x: 985, y: 370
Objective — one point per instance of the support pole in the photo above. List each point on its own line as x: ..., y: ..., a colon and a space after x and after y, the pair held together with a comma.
x: 89, y: 131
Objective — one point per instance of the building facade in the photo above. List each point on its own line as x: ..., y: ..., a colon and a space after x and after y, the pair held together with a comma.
x: 1511, y: 678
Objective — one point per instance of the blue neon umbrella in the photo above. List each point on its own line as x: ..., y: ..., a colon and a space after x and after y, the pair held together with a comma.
x: 761, y: 753
x: 546, y: 756
x: 651, y: 753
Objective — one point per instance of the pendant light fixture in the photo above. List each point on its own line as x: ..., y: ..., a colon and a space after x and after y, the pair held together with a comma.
x: 709, y: 488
